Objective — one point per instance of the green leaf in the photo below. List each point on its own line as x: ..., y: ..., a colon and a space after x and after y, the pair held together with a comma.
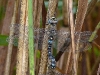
x: 3, y: 41
x: 96, y: 51
x: 38, y: 54
x: 2, y: 12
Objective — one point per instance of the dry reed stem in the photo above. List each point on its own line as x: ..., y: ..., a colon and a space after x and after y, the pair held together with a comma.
x: 83, y: 63
x: 96, y: 45
x: 44, y: 57
x: 4, y: 29
x: 35, y: 2
x: 95, y: 65
x: 65, y: 12
x: 88, y: 64
x: 37, y: 22
x: 65, y: 61
x: 60, y: 62
x: 91, y: 6
x: 22, y: 54
x: 70, y: 65
x: 59, y: 70
x: 69, y: 54
x: 10, y: 45
x: 98, y: 72
x: 74, y: 70
x: 66, y: 23
x: 81, y: 12
x: 80, y: 16
x: 44, y: 13
x: 68, y: 61
x: 39, y: 13
x: 25, y: 44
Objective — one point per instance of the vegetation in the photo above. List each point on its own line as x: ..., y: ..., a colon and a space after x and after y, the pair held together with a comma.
x: 24, y: 50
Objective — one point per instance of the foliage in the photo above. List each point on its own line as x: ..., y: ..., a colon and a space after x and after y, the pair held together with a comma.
x: 2, y: 12
x: 3, y: 38
x: 3, y: 41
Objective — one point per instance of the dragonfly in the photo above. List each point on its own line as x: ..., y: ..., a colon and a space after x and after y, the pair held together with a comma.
x: 84, y: 36
x: 62, y: 34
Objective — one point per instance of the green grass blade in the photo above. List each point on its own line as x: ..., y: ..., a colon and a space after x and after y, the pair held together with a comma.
x: 92, y: 37
x: 31, y: 40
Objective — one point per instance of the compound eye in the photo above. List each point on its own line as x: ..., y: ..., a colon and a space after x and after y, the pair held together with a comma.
x: 51, y: 37
x: 52, y: 67
x: 53, y: 18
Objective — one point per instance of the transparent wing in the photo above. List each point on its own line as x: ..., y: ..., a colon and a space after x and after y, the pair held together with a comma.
x: 60, y: 37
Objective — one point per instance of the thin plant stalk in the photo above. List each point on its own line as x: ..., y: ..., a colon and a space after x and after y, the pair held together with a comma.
x: 65, y: 12
x: 35, y: 9
x: 80, y: 16
x: 43, y: 62
x: 92, y: 37
x: 95, y: 65
x: 91, y: 5
x: 74, y: 70
x: 81, y: 13
x: 10, y: 45
x: 22, y: 53
x: 31, y: 40
x: 98, y: 72
x: 96, y: 45
x: 65, y: 23
x: 37, y: 26
x: 68, y: 61
x: 69, y: 54
x: 25, y: 44
x: 88, y: 64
